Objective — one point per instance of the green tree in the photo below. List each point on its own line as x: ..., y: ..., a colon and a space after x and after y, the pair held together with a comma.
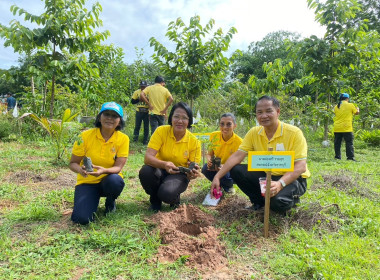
x: 196, y: 64
x: 65, y: 25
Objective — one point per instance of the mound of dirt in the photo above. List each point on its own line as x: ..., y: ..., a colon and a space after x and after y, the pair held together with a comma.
x: 187, y: 233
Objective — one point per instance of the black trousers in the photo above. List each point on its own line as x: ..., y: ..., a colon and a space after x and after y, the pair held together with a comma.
x: 141, y: 117
x: 162, y: 186
x: 156, y: 121
x: 248, y: 182
x: 349, y: 139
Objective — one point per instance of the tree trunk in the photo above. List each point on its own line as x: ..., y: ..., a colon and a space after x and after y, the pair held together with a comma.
x: 52, y: 97
x: 44, y: 90
x: 33, y: 94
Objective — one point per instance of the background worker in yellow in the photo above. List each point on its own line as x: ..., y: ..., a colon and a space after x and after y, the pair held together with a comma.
x: 158, y: 99
x: 223, y: 144
x: 170, y: 147
x: 286, y: 188
x: 108, y: 149
x: 344, y: 112
x: 142, y: 114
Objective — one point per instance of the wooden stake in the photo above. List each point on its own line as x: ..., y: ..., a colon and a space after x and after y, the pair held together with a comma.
x: 267, y: 202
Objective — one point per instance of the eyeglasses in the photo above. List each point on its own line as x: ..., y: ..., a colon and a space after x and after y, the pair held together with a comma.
x: 182, y: 118
x: 110, y: 115
x: 229, y: 124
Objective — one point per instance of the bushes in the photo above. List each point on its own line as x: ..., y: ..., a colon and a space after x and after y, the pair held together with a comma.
x: 372, y: 138
x: 7, y: 126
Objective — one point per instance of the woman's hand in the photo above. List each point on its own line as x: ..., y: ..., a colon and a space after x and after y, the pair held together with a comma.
x: 194, y: 173
x: 171, y: 168
x: 99, y: 171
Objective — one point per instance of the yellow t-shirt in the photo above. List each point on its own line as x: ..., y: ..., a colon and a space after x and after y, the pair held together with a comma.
x: 286, y: 138
x: 224, y: 149
x: 141, y: 104
x: 169, y: 149
x: 158, y: 97
x: 343, y: 117
x: 92, y: 144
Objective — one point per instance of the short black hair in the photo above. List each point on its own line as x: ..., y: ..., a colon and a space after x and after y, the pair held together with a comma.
x: 159, y: 79
x: 226, y: 115
x: 274, y: 100
x: 184, y: 106
x: 99, y: 124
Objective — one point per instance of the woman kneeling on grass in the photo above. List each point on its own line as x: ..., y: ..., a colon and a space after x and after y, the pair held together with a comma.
x: 223, y: 144
x: 170, y: 147
x: 108, y: 150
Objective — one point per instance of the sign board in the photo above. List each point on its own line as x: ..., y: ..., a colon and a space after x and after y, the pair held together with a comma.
x: 271, y: 161
x: 202, y: 136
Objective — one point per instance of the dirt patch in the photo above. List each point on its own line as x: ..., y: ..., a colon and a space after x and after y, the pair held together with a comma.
x: 327, y: 217
x: 353, y: 184
x: 188, y: 234
x: 45, y: 181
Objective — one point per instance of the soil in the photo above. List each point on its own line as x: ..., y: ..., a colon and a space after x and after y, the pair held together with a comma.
x: 188, y: 234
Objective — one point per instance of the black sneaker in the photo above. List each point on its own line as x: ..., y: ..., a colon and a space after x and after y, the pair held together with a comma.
x: 254, y: 207
x: 174, y: 205
x: 155, y: 207
x: 110, y: 205
x: 337, y: 158
x: 352, y: 159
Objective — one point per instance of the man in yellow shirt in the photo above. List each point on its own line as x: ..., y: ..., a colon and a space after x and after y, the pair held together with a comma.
x: 344, y: 112
x: 286, y: 187
x: 142, y: 114
x: 158, y: 99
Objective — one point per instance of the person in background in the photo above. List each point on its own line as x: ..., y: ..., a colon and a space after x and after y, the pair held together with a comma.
x: 108, y: 149
x: 344, y: 112
x: 286, y: 187
x: 11, y: 102
x: 223, y: 144
x: 142, y: 114
x: 158, y: 99
x: 170, y: 147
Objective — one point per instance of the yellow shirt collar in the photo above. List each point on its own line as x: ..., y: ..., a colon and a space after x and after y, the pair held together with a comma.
x: 278, y: 133
x: 99, y: 136
x: 184, y: 138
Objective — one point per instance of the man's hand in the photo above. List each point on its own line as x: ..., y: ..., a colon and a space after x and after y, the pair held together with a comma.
x: 275, y: 188
x: 215, y: 185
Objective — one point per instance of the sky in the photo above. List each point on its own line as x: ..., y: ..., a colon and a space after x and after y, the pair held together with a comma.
x: 133, y: 22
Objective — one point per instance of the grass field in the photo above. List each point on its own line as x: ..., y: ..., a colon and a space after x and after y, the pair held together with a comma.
x: 332, y: 234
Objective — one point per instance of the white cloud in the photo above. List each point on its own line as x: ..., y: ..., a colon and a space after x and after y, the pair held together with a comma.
x: 132, y: 23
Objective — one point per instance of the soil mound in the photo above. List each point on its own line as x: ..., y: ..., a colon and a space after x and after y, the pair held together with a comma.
x: 187, y: 233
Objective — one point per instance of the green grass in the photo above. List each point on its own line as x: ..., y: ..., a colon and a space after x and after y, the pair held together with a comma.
x: 333, y: 234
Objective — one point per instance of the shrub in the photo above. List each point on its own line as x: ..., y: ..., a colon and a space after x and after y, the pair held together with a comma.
x: 371, y: 137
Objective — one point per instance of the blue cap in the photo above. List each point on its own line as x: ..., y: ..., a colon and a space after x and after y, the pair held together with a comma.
x: 113, y: 106
x: 345, y: 95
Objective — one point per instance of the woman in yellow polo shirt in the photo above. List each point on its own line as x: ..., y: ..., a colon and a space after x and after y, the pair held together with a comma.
x: 344, y: 112
x: 171, y: 147
x: 223, y: 144
x: 108, y: 150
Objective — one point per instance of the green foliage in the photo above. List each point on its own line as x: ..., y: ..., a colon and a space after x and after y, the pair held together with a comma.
x: 57, y: 130
x: 6, y: 126
x: 196, y: 65
x: 371, y: 137
x: 65, y: 25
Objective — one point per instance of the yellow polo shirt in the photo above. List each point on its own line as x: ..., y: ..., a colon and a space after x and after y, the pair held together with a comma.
x: 169, y: 149
x: 343, y: 117
x: 92, y: 144
x: 286, y: 138
x: 158, y: 97
x: 224, y: 149
x: 141, y: 104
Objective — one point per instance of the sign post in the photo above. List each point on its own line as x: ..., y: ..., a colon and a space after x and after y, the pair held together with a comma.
x: 270, y: 161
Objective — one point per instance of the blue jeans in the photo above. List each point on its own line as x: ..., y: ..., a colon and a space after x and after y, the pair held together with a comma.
x: 141, y: 117
x: 226, y: 181
x: 87, y: 196
x: 156, y: 121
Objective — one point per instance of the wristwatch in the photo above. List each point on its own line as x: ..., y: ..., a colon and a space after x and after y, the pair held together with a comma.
x: 282, y: 183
